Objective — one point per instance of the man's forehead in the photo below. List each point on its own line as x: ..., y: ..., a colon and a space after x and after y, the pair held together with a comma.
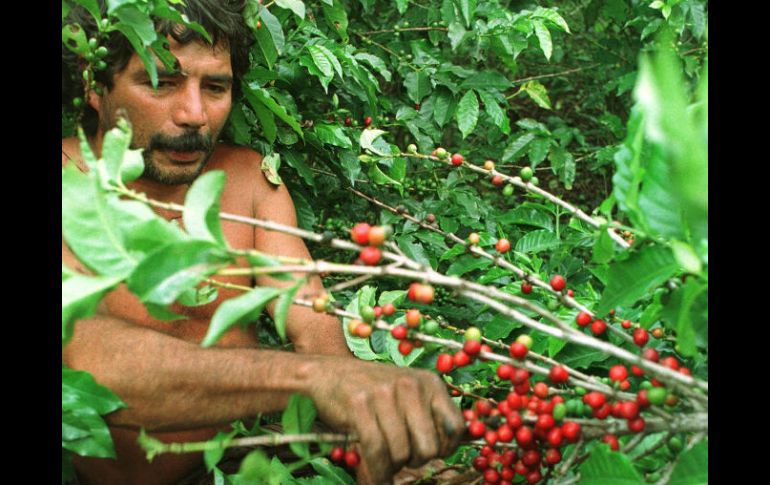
x: 198, y: 51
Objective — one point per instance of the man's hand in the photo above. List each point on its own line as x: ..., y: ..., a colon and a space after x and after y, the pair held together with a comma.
x: 401, y: 416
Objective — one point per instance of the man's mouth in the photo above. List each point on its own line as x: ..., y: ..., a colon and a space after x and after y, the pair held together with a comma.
x: 185, y: 157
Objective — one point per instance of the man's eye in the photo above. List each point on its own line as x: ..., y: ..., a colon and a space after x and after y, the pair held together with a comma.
x: 217, y: 88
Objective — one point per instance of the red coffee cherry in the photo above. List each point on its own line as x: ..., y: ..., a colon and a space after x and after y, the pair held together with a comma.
x: 472, y: 347
x: 670, y: 362
x: 626, y: 324
x: 399, y: 332
x: 650, y: 354
x: 524, y: 436
x: 457, y: 159
x: 531, y: 458
x: 629, y: 409
x: 519, y: 375
x: 521, y: 468
x: 534, y: 476
x: 360, y: 233
x: 598, y: 327
x: 518, y: 350
x: 685, y: 371
x: 461, y: 359
x: 337, y: 454
x: 413, y: 317
x: 424, y: 294
x: 602, y: 411
x: 490, y: 436
x: 657, y: 332
x: 625, y: 385
x: 444, y: 363
x: 502, y: 245
x: 571, y: 431
x: 505, y: 371
x: 637, y: 371
x: 505, y: 433
x: 618, y: 372
x: 504, y: 407
x: 526, y: 288
x: 405, y: 347
x: 483, y: 407
x: 555, y: 436
x: 641, y: 337
x: 477, y: 429
x: 636, y: 425
x: 514, y: 419
x: 583, y: 318
x: 552, y: 456
x: 491, y: 475
x: 378, y: 234
x: 368, y: 121
x: 352, y: 459
x: 480, y: 463
x: 497, y: 180
x: 370, y: 255
x: 470, y: 415
x: 558, y: 282
x: 570, y: 293
x: 641, y: 398
x: 594, y: 399
x: 541, y: 390
x: 388, y: 309
x: 611, y: 440
x: 545, y: 422
x: 558, y: 374
x: 513, y: 400
x: 612, y: 312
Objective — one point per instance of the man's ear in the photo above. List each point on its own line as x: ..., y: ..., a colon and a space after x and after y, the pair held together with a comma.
x: 94, y: 100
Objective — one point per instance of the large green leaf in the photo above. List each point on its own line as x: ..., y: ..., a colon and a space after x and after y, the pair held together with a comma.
x: 296, y: 6
x: 242, y: 309
x: 201, y: 207
x: 337, y: 18
x: 687, y: 313
x: 263, y: 95
x: 467, y: 113
x: 527, y: 215
x: 515, y: 149
x: 79, y: 389
x: 467, y: 263
x: 605, y: 467
x: 544, y: 37
x: 265, y: 39
x: 499, y: 118
x: 80, y: 295
x: 635, y: 277
x: 166, y: 273
x: 367, y: 138
x: 298, y: 418
x: 693, y: 466
x: 536, y: 241
x: 360, y: 347
x: 500, y: 327
x: 333, y: 134
x: 417, y: 84
x: 580, y: 357
x: 657, y: 201
x: 538, y: 93
x: 491, y: 80
x: 333, y: 475
x: 443, y: 107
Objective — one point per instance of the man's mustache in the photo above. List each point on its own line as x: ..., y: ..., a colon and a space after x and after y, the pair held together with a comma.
x: 188, y: 142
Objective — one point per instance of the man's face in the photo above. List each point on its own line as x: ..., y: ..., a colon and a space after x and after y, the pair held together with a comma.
x: 177, y: 125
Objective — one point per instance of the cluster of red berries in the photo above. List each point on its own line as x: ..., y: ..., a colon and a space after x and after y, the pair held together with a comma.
x: 363, y: 233
x: 558, y: 283
x: 349, y: 458
x: 538, y: 445
x: 502, y: 245
x: 472, y: 347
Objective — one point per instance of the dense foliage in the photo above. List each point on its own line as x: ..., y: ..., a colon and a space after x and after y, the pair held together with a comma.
x: 607, y: 100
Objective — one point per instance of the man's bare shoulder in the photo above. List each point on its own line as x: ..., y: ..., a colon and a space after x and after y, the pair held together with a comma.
x: 239, y: 163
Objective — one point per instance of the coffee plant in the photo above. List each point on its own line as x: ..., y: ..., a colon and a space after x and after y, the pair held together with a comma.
x: 512, y: 194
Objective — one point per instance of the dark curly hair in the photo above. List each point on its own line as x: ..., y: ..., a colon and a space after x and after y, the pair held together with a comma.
x: 222, y: 19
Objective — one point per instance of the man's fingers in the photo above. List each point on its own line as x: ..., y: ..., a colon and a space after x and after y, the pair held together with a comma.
x: 419, y: 419
x: 448, y: 421
x: 392, y: 426
x: 375, y: 467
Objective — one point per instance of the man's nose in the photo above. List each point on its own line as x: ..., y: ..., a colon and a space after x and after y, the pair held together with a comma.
x: 190, y: 110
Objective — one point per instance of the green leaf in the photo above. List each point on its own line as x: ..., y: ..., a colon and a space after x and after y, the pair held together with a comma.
x: 692, y: 468
x: 543, y: 37
x: 378, y: 64
x: 605, y: 467
x: 395, y: 355
x: 139, y: 48
x: 263, y: 95
x: 658, y: 203
x: 553, y: 16
x: 298, y: 418
x: 633, y: 278
x: 266, y: 119
x: 500, y: 327
x: 270, y: 165
x: 499, y: 117
x: 563, y: 163
x: 536, y: 241
x: 242, y: 309
x: 282, y: 308
x: 321, y: 60
x: 366, y: 141
x: 538, y: 150
x: 456, y: 34
x: 359, y: 346
x: 401, y: 5
x: 417, y: 84
x: 580, y: 357
x: 137, y: 21
x: 516, y: 148
x: 466, y: 8
x: 296, y: 6
x: 333, y: 134
x: 337, y: 18
x: 687, y: 313
x: 379, y: 177
x: 255, y: 469
x: 491, y: 80
x: 351, y: 166
x: 202, y: 206
x: 86, y: 433
x: 686, y: 257
x: 413, y: 249
x: 537, y: 93
x: 74, y: 38
x: 527, y: 215
x: 333, y: 475
x: 212, y: 456
x: 467, y: 113
x: 79, y: 389
x: 443, y: 107
x: 80, y: 295
x: 163, y: 275
x: 467, y: 263
x: 604, y: 247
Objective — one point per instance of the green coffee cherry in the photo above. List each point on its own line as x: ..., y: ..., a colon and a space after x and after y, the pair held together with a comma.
x: 101, y: 65
x: 367, y: 313
x: 430, y: 327
x: 101, y: 52
x: 572, y: 406
x: 508, y: 190
x: 77, y: 102
x: 473, y: 333
x: 535, y: 181
x: 559, y: 411
x: 412, y: 148
x: 675, y: 444
x: 104, y: 23
x: 92, y: 43
x: 526, y: 174
x: 646, y: 385
x: 657, y: 395
x: 580, y: 391
x: 441, y: 153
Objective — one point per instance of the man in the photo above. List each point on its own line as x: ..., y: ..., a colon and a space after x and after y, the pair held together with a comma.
x: 174, y: 388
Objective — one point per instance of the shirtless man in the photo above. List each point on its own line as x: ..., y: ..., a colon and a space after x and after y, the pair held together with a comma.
x: 179, y: 391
